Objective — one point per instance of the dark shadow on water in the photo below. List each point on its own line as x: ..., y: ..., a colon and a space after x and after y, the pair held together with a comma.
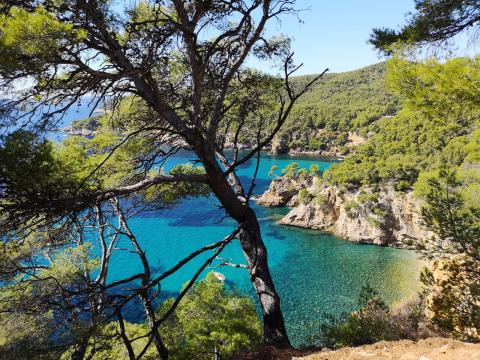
x: 275, y: 233
x: 196, y: 218
x: 197, y: 212
x: 133, y: 311
x: 261, y: 185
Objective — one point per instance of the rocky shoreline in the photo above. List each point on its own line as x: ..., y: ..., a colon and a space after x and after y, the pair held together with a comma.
x: 274, y: 148
x: 71, y: 131
x: 383, y: 217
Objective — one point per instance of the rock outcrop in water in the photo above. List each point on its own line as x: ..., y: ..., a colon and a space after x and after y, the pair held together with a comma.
x: 382, y: 217
x: 279, y: 146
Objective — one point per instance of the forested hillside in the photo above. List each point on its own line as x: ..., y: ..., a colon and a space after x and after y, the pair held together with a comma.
x: 322, y: 119
x: 336, y: 105
x: 436, y: 128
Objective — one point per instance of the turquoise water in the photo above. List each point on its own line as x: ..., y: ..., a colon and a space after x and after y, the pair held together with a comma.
x: 315, y: 273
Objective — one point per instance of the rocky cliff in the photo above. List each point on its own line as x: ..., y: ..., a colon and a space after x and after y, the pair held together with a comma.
x: 382, y: 217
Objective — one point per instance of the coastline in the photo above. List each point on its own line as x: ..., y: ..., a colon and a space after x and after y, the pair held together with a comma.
x: 328, y: 155
x: 383, y: 217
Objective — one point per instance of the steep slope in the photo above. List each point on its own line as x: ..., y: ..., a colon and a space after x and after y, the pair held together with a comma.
x: 336, y: 109
x: 381, y: 217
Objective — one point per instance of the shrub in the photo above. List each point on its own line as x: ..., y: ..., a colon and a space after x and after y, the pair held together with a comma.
x: 365, y: 326
x: 211, y: 319
x: 274, y: 168
x: 365, y: 197
x: 374, y: 321
x: 452, y: 290
x: 320, y: 199
x: 402, y: 185
x: 372, y: 220
x: 314, y: 169
x: 379, y: 211
x: 302, y: 173
x: 452, y: 296
x: 290, y: 170
x: 350, y: 206
x: 305, y: 197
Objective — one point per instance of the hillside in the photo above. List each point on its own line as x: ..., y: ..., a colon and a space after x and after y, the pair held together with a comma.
x: 339, y: 104
x: 375, y: 195
x: 331, y: 118
x: 436, y: 128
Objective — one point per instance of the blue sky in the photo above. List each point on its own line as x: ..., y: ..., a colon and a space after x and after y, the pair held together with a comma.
x: 334, y: 33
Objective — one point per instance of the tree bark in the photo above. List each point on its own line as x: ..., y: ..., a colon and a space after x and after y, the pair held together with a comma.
x: 162, y: 350
x: 80, y: 349
x: 157, y: 339
x: 274, y: 332
x: 255, y: 251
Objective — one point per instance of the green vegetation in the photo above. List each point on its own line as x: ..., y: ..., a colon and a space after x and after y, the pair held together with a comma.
x: 64, y: 207
x: 433, y: 147
x: 170, y: 73
x: 107, y: 345
x: 211, y: 320
x: 365, y: 326
x: 305, y: 197
x: 374, y: 321
x: 291, y: 170
x: 452, y: 290
x: 339, y: 103
x: 435, y: 22
x: 365, y: 197
x: 450, y: 298
x: 320, y: 199
x: 437, y: 126
x: 314, y: 169
x: 350, y: 207
x: 91, y: 123
x: 272, y: 170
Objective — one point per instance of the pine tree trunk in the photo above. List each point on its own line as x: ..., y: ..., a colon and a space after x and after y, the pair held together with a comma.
x: 255, y: 252
x: 254, y: 249
x: 80, y: 349
x: 157, y: 339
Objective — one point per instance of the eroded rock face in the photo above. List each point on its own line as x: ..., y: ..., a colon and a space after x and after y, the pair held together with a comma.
x: 384, y: 217
x: 282, y: 191
x: 320, y: 213
x: 279, y: 146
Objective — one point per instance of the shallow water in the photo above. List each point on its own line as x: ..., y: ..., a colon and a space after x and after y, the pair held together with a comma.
x: 315, y: 273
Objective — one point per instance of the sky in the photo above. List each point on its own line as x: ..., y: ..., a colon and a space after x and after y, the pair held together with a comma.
x: 334, y: 33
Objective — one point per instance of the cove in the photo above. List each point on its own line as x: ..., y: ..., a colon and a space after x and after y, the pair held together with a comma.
x: 315, y: 273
